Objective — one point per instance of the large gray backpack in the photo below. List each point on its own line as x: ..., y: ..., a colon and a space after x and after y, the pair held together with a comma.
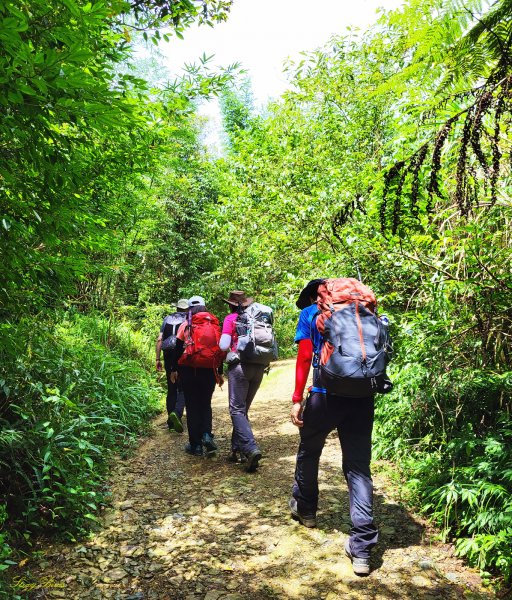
x: 356, y: 346
x: 256, y: 340
x: 344, y: 369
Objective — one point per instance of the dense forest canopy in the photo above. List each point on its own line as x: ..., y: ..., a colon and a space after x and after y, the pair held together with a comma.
x: 389, y: 158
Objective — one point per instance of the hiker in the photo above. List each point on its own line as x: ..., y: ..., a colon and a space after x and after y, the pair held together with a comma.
x: 197, y: 363
x: 166, y: 343
x: 337, y: 401
x: 245, y: 372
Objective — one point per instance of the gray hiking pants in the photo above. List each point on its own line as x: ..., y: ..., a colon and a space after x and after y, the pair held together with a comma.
x: 243, y: 383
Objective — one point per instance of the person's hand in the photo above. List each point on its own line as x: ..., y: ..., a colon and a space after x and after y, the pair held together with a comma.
x: 296, y: 414
x: 159, y: 365
x: 174, y: 376
x: 220, y: 381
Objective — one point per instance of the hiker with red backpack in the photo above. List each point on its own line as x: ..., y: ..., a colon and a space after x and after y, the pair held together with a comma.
x: 339, y: 333
x: 197, y: 363
x: 248, y: 336
x: 166, y: 343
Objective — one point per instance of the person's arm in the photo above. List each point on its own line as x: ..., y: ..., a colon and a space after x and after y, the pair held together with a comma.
x: 225, y: 342
x: 220, y: 375
x: 228, y: 330
x: 302, y: 366
x: 158, y: 350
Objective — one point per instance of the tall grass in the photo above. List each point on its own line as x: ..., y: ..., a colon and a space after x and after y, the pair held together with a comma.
x: 72, y: 392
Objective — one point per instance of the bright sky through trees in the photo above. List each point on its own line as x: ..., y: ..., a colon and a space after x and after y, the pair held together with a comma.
x: 262, y: 35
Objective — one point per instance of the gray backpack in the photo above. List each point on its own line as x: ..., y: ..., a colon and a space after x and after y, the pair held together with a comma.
x: 170, y: 329
x: 355, y: 352
x: 256, y: 340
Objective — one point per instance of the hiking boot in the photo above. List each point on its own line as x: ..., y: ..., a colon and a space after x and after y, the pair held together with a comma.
x: 360, y: 566
x: 196, y: 450
x: 306, y: 520
x: 176, y: 423
x: 233, y: 457
x: 209, y: 444
x: 253, y: 458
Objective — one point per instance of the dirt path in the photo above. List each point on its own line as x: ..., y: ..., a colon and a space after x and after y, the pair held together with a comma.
x: 191, y: 528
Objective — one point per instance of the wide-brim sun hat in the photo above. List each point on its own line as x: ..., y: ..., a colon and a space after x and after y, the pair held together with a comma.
x: 196, y: 301
x: 182, y: 304
x: 238, y: 298
x: 310, y: 291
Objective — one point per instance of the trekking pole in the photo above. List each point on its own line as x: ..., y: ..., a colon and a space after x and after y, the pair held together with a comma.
x: 358, y: 272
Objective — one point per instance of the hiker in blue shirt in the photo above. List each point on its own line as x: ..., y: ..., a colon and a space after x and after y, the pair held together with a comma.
x: 318, y: 415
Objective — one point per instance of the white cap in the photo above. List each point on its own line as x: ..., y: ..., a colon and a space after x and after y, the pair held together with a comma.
x: 182, y: 304
x: 196, y: 301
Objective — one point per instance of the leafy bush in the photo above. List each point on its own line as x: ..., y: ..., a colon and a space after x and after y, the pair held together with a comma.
x: 450, y: 432
x: 70, y: 394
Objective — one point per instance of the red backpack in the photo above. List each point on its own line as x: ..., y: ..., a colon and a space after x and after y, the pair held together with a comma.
x: 202, y: 335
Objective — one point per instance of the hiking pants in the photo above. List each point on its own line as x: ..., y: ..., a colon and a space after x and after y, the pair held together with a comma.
x: 198, y: 386
x: 175, y: 401
x: 243, y: 382
x: 353, y: 419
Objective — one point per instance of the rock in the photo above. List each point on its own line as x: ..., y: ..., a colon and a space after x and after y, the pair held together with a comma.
x: 126, y: 505
x: 231, y: 585
x: 454, y: 577
x: 157, y: 552
x: 213, y: 595
x: 129, y: 515
x: 425, y: 564
x: 114, y: 575
x: 420, y: 581
x: 233, y: 597
x: 85, y: 580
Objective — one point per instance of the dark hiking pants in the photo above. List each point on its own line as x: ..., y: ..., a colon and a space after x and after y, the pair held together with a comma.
x: 198, y: 386
x: 175, y: 401
x: 243, y: 383
x: 353, y: 419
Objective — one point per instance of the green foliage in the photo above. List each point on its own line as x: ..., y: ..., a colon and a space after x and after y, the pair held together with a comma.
x: 236, y: 106
x: 71, y: 394
x: 5, y: 549
x: 90, y: 155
